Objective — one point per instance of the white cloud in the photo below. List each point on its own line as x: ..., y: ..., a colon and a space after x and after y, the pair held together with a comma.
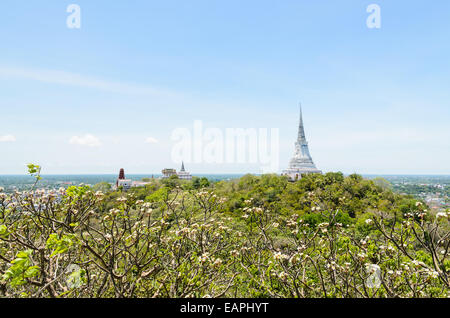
x: 86, y: 140
x: 7, y: 138
x: 74, y: 79
x: 151, y: 140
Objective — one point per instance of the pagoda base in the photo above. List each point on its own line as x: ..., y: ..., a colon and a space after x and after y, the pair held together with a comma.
x: 296, y: 174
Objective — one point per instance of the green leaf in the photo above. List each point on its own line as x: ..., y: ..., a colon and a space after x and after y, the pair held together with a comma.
x: 32, y: 271
x: 3, y: 230
x: 20, y: 269
x: 59, y: 246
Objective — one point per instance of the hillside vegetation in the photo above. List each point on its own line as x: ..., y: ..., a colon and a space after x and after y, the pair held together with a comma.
x: 322, y: 236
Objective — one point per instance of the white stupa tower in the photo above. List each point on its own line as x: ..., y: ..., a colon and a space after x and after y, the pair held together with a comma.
x: 183, y: 174
x: 302, y: 162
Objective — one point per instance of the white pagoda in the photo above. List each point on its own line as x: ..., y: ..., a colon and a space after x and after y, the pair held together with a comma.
x: 302, y: 162
x: 183, y: 174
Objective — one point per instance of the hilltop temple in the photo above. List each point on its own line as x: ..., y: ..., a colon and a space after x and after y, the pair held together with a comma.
x: 122, y: 182
x: 302, y: 162
x: 126, y: 184
x: 182, y: 174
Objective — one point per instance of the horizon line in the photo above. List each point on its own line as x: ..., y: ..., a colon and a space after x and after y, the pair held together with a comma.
x: 230, y: 173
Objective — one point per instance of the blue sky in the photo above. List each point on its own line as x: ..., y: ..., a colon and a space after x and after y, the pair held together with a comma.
x: 374, y: 100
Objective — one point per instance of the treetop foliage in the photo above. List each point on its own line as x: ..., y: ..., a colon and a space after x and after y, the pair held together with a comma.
x: 257, y: 236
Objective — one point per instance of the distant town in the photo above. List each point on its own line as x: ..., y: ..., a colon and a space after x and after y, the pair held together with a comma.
x: 434, y: 190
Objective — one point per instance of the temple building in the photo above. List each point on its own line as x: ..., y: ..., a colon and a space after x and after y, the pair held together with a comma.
x: 167, y: 173
x: 183, y: 174
x: 126, y: 184
x: 122, y: 182
x: 302, y: 162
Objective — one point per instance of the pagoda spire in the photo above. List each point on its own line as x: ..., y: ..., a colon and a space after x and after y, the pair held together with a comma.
x: 301, y: 129
x: 121, y: 174
x: 182, y: 166
x: 301, y: 163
